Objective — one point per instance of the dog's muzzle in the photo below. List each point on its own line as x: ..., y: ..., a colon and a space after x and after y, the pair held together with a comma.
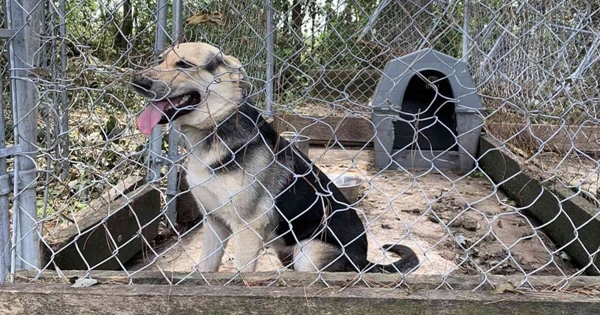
x: 166, y: 108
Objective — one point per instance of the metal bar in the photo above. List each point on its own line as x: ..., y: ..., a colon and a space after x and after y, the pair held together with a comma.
x: 4, y: 215
x: 6, y: 152
x: 15, y: 96
x: 465, y: 38
x: 177, y: 20
x: 586, y: 61
x: 155, y: 156
x: 4, y: 33
x: 54, y: 111
x: 42, y: 55
x: 172, y: 178
x: 35, y: 29
x: 64, y: 113
x: 22, y: 49
x: 270, y: 57
x: 28, y: 117
x: 55, y: 101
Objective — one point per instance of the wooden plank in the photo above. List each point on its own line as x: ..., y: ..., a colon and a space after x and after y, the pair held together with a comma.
x: 321, y: 130
x: 91, y: 243
x: 303, y: 279
x: 50, y: 299
x: 358, y: 131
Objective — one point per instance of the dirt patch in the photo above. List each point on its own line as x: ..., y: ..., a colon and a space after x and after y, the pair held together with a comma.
x: 456, y: 224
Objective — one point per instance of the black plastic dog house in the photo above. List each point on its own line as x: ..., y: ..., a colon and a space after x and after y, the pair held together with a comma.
x: 426, y: 113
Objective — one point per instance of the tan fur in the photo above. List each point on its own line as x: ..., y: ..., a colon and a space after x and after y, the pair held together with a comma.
x: 219, y: 92
x: 223, y: 199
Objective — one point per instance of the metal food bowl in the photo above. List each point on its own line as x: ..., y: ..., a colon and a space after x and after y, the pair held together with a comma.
x: 349, y: 185
x: 299, y: 141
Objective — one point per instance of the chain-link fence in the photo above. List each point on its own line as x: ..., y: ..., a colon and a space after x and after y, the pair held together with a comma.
x: 389, y: 170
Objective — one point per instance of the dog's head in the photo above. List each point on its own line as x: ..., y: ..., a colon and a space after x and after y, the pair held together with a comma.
x: 192, y: 84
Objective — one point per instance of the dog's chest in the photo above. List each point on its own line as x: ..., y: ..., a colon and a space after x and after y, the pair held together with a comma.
x: 241, y: 191
x: 217, y: 191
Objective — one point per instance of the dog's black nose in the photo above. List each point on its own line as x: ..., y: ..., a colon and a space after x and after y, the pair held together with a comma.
x: 142, y: 83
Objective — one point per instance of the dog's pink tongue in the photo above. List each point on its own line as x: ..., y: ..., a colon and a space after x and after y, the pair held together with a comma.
x: 151, y: 116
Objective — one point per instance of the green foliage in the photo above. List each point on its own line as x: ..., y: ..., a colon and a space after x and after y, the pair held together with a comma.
x: 94, y: 26
x: 309, y: 36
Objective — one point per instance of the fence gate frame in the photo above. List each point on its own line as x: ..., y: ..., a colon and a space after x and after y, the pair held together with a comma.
x: 22, y: 18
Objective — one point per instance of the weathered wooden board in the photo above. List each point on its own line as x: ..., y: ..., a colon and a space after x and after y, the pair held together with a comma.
x: 358, y: 131
x: 106, y: 224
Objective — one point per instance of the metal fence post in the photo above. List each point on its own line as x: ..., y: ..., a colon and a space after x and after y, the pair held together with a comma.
x: 177, y: 20
x: 63, y: 143
x: 270, y: 57
x: 172, y: 178
x: 465, y: 37
x: 22, y: 48
x: 155, y: 155
x: 4, y: 191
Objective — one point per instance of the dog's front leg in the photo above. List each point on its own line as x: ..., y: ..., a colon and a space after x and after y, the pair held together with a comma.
x: 247, y: 244
x: 214, y: 242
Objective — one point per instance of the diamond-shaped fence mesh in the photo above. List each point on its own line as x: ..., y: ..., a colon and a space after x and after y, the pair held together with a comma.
x: 302, y: 135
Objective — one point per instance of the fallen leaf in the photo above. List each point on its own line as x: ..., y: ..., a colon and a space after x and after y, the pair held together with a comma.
x: 564, y: 256
x: 461, y: 240
x: 205, y: 18
x: 504, y: 287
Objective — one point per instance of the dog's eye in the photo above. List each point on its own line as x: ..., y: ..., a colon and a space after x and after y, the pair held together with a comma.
x: 184, y: 64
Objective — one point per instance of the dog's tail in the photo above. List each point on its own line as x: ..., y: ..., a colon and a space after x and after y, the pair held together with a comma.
x: 407, y: 263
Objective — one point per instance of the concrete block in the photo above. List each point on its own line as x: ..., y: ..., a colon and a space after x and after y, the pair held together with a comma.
x: 567, y: 218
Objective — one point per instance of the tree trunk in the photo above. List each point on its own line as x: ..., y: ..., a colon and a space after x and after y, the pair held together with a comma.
x: 126, y: 30
x: 297, y: 16
x: 297, y: 40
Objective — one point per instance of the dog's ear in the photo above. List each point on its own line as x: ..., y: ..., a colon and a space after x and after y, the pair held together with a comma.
x: 237, y: 72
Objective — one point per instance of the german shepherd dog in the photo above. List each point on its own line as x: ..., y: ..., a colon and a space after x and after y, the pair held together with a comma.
x: 250, y: 183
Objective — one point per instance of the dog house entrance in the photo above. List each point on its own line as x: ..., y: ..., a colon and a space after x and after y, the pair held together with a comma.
x: 428, y: 109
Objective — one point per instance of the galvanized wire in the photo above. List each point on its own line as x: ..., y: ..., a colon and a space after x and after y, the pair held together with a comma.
x: 534, y: 63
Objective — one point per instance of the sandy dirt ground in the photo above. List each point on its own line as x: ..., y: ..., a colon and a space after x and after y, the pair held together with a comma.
x: 456, y: 224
